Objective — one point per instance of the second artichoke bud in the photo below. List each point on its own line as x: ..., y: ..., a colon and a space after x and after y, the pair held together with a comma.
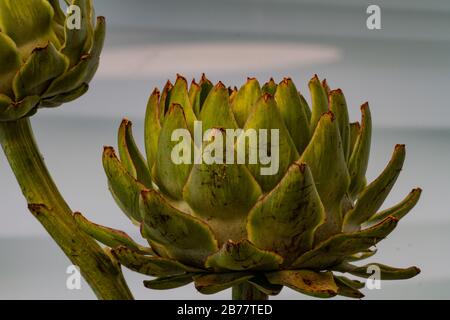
x: 45, y: 58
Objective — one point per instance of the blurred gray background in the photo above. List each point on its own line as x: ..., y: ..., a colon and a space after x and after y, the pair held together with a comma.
x: 403, y: 70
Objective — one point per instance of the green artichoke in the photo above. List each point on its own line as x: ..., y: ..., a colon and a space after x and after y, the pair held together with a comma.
x: 46, y: 59
x: 227, y: 225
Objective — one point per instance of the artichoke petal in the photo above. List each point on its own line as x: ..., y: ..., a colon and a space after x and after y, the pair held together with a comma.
x: 373, y: 196
x: 332, y: 251
x: 124, y: 187
x: 83, y: 71
x: 79, y: 41
x: 64, y: 97
x: 338, y: 106
x: 243, y: 256
x: 43, y: 65
x: 262, y: 284
x: 359, y: 158
x: 179, y: 95
x: 245, y: 100
x: 164, y: 102
x: 130, y: 156
x: 316, y: 284
x: 169, y: 175
x: 10, y: 62
x: 216, y: 111
x: 325, y: 156
x: 171, y: 282
x: 222, y: 195
x: 398, y: 211
x: 269, y: 87
x: 386, y: 272
x: 35, y: 18
x: 348, y: 288
x: 198, y: 94
x: 265, y: 116
x: 306, y: 108
x: 284, y: 220
x: 319, y: 101
x: 194, y: 97
x: 10, y: 110
x: 216, y: 282
x: 293, y: 113
x: 152, y: 128
x: 149, y: 265
x: 184, y: 237
x: 110, y: 237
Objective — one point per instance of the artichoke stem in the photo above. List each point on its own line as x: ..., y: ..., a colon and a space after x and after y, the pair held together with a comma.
x: 246, y: 291
x: 48, y: 206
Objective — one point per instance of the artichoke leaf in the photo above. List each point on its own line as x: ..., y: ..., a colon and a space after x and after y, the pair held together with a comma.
x: 269, y: 87
x: 216, y: 111
x: 348, y: 288
x: 64, y: 97
x: 10, y: 110
x: 293, y: 114
x: 330, y: 252
x: 316, y: 284
x: 319, y: 99
x: 242, y: 256
x: 170, y: 175
x: 185, y: 238
x: 373, y: 196
x: 10, y: 62
x: 124, y: 187
x: 43, y: 65
x: 171, y: 282
x: 150, y: 265
x: 359, y: 159
x: 338, y: 106
x: 130, y: 156
x: 79, y: 40
x: 278, y: 147
x: 222, y: 195
x: 245, y: 100
x: 215, y: 282
x: 285, y: 219
x: 325, y: 157
x: 110, y: 237
x: 84, y: 69
x: 262, y: 284
x: 398, y: 211
x: 152, y: 128
x: 17, y: 18
x: 386, y: 272
x: 179, y: 95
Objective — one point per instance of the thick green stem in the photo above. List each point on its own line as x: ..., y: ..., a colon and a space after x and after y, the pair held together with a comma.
x: 246, y: 291
x: 49, y: 207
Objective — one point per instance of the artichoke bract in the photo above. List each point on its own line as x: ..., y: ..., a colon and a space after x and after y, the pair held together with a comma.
x: 222, y: 224
x: 47, y: 58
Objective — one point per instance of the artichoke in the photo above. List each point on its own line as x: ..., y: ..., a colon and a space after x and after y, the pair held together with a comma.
x: 223, y: 225
x: 45, y: 58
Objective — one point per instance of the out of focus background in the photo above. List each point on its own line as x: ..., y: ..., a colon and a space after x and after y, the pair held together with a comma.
x: 403, y: 70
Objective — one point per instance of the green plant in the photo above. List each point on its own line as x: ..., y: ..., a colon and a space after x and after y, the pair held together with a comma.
x: 228, y: 225
x: 44, y: 62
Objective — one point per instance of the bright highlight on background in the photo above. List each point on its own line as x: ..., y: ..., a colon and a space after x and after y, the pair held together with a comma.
x: 223, y: 57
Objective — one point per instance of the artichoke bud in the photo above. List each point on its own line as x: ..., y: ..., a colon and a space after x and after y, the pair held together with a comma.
x: 47, y: 58
x: 252, y: 186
